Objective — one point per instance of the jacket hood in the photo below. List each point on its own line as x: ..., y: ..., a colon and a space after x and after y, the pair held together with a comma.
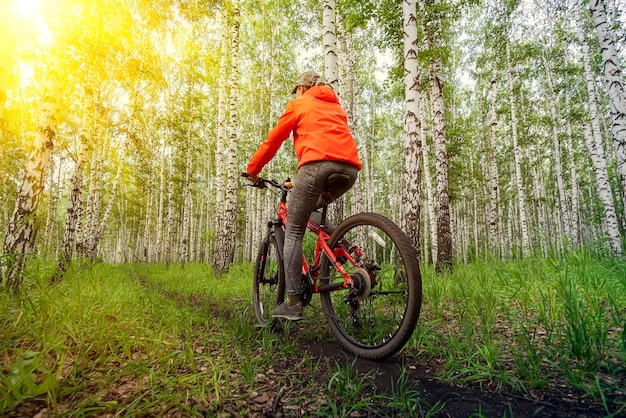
x: 325, y: 93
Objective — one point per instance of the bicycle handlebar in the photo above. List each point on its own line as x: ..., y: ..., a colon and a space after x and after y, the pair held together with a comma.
x: 261, y: 183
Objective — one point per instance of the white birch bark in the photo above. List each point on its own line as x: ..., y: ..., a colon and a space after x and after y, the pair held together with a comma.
x: 19, y: 239
x: 225, y: 233
x: 571, y: 154
x: 432, y: 40
x: 430, y: 202
x: 169, y: 229
x: 94, y: 238
x: 75, y: 204
x: 610, y: 227
x: 556, y: 153
x: 99, y: 225
x: 222, y: 111
x: 344, y: 67
x: 53, y: 201
x: 494, y: 224
x: 521, y: 194
x: 596, y: 151
x: 614, y: 84
x: 147, y: 247
x: 331, y: 60
x: 444, y: 228
x: 412, y: 124
x: 187, y: 204
x: 161, y: 206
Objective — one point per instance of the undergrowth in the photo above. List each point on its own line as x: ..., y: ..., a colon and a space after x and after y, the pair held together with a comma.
x: 144, y: 340
x: 528, y: 324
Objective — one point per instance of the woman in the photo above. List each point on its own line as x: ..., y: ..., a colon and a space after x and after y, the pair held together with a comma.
x: 324, y: 146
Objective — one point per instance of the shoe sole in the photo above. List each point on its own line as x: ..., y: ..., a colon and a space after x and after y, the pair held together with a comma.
x: 289, y: 318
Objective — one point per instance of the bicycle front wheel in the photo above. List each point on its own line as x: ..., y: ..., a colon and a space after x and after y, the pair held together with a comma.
x: 377, y: 316
x: 269, y: 281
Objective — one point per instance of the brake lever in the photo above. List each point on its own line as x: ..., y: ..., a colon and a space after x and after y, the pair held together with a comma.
x: 259, y: 183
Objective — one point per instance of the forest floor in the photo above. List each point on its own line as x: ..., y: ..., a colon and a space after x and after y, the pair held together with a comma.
x: 231, y: 368
x: 431, y: 397
x: 293, y: 389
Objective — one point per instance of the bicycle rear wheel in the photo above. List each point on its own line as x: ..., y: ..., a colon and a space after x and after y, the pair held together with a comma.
x: 269, y: 281
x: 376, y: 318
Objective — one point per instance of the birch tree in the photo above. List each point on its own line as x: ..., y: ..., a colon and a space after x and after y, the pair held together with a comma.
x: 97, y: 225
x: 75, y: 204
x: 614, y: 84
x: 521, y: 195
x: 444, y: 232
x: 556, y: 155
x: 331, y: 59
x: 494, y: 221
x: 225, y: 232
x: 187, y: 201
x: 220, y: 154
x: 593, y: 141
x: 412, y: 126
x: 19, y: 240
x: 430, y: 204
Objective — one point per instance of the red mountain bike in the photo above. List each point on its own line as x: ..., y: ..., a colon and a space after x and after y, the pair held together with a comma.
x: 365, y: 270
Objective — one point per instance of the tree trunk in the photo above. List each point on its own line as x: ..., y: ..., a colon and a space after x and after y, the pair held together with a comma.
x: 187, y: 204
x: 614, y: 86
x: 432, y: 41
x: 222, y: 111
x: 53, y: 203
x: 594, y: 146
x: 169, y: 229
x: 521, y: 195
x: 430, y: 202
x: 444, y: 232
x: 225, y: 232
x: 571, y: 153
x: 21, y: 232
x: 565, y: 226
x: 494, y: 223
x: 412, y: 127
x: 331, y: 61
x: 75, y: 204
x: 99, y: 225
x: 611, y: 228
x: 161, y: 206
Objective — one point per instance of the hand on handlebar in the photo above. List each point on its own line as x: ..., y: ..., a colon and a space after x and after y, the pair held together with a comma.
x: 250, y: 177
x: 255, y: 180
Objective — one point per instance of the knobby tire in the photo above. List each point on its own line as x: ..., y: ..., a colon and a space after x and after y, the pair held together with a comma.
x: 383, y: 319
x: 269, y: 281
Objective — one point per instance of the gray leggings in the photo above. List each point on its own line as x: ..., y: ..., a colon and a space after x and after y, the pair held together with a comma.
x: 305, y: 197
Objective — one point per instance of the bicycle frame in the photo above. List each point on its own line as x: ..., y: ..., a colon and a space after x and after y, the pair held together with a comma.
x: 321, y: 243
x: 377, y: 307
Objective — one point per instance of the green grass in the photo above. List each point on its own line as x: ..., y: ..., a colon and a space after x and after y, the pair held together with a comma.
x: 524, y: 324
x: 144, y: 340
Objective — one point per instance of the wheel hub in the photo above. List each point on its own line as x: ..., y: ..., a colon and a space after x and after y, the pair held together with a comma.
x: 362, y: 283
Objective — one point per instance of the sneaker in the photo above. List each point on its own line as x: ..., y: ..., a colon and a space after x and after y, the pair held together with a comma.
x: 290, y: 313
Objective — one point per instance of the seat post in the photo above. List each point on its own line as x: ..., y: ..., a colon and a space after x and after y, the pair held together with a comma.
x: 324, y: 210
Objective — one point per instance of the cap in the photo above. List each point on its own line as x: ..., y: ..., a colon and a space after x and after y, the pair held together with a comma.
x: 308, y: 79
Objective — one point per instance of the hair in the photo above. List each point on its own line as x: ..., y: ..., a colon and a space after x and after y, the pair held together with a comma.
x: 319, y: 81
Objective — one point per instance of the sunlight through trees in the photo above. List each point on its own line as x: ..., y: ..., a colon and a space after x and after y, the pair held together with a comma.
x: 517, y: 147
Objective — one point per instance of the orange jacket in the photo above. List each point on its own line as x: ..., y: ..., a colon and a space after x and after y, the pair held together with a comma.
x: 320, y: 131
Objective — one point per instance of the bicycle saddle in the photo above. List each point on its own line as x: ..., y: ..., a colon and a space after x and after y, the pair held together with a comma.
x: 336, y: 181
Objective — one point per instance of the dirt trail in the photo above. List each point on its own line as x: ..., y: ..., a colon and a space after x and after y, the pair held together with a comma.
x: 450, y: 400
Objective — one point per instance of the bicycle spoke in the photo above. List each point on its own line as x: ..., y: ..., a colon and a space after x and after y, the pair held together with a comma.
x: 269, y: 281
x: 377, y: 316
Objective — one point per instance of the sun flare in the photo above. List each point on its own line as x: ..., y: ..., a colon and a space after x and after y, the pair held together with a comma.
x: 26, y: 8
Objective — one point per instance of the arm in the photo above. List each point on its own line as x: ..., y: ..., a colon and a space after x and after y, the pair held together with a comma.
x: 275, y: 138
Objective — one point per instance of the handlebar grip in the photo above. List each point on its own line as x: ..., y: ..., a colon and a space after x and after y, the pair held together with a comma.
x: 255, y: 180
